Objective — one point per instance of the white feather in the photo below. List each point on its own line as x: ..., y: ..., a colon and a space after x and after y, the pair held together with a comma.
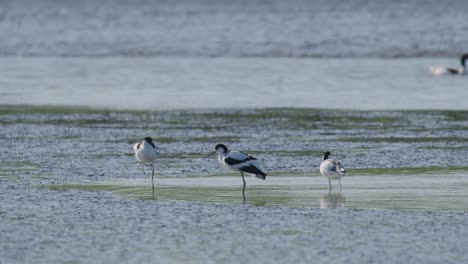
x: 327, y: 169
x: 146, y: 153
x: 438, y: 70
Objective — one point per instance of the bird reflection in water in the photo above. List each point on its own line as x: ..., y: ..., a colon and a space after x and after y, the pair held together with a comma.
x: 332, y: 200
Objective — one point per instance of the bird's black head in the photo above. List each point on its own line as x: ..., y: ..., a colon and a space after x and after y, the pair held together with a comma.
x: 221, y: 146
x: 150, y: 141
x: 326, y: 154
x: 464, y: 57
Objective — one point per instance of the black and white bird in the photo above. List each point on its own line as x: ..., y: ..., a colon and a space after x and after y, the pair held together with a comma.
x: 145, y: 153
x: 239, y: 161
x: 444, y: 70
x: 331, y: 169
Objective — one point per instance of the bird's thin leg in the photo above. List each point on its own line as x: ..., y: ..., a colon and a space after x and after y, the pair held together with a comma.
x: 152, y: 176
x: 153, y: 191
x: 243, y: 188
x: 340, y: 183
x: 329, y: 183
x: 143, y: 166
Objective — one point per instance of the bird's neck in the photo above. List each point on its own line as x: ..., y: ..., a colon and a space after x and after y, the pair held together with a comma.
x: 463, y: 60
x: 146, y: 144
x: 221, y: 157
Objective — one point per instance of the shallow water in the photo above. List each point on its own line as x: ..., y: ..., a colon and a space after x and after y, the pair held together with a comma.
x: 194, y: 83
x: 429, y: 191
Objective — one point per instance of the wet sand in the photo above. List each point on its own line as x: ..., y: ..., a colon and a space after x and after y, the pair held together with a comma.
x: 45, y: 226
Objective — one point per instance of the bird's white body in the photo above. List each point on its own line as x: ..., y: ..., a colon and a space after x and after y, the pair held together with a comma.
x: 332, y: 169
x: 145, y: 152
x: 443, y: 70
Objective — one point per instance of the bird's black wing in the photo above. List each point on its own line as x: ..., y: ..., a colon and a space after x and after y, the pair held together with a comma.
x: 232, y: 161
x: 452, y: 71
x: 253, y: 170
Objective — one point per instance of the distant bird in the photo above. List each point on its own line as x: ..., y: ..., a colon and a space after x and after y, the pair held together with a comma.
x: 443, y: 70
x: 331, y: 169
x: 145, y: 153
x: 239, y: 161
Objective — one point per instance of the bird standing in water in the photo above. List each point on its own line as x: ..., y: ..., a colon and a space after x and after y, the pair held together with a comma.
x: 239, y: 161
x: 145, y: 153
x: 332, y: 169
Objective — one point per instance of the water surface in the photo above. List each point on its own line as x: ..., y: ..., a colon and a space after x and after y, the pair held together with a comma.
x: 188, y: 83
x: 298, y: 28
x: 429, y: 191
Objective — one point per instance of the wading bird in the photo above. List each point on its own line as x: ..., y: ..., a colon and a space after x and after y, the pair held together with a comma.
x: 331, y: 169
x: 443, y: 70
x: 239, y: 161
x: 145, y: 153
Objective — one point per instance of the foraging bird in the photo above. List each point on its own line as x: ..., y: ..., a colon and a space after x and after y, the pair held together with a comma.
x: 145, y: 153
x: 331, y: 169
x: 239, y: 161
x: 443, y: 70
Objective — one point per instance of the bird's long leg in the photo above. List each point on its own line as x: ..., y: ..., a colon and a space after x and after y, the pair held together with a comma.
x: 152, y: 175
x: 243, y: 187
x: 340, y: 183
x: 329, y: 183
x: 143, y: 166
x: 153, y: 191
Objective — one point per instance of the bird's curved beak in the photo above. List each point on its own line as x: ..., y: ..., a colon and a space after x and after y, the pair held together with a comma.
x: 210, y: 154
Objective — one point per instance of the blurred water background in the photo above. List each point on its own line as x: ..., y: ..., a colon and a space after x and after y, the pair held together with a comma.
x: 297, y: 28
x: 199, y: 54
